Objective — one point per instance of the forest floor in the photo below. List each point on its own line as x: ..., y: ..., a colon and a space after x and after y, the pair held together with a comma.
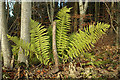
x: 105, y: 50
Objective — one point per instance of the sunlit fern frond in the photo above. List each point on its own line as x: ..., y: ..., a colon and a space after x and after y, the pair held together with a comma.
x: 40, y: 41
x: 84, y: 40
x: 63, y: 27
x: 19, y: 43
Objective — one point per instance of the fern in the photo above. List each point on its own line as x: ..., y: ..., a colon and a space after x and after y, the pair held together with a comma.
x: 19, y: 43
x: 74, y: 46
x: 39, y: 41
x: 83, y: 41
x: 63, y: 27
x: 39, y: 44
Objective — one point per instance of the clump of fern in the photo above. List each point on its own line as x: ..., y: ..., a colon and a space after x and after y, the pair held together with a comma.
x: 68, y: 46
x: 63, y: 27
x: 19, y: 43
x: 39, y: 44
x: 81, y: 42
x: 40, y: 41
x: 78, y: 43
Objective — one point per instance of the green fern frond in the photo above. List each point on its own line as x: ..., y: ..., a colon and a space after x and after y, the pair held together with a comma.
x: 39, y: 44
x: 18, y: 43
x: 83, y: 41
x: 63, y: 27
x: 40, y: 41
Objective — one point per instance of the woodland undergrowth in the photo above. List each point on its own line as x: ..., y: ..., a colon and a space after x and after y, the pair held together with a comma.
x: 74, y: 50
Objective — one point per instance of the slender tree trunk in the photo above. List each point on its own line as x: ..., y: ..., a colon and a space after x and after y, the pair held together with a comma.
x: 0, y: 55
x: 112, y: 16
x: 55, y: 55
x: 51, y: 10
x: 52, y: 5
x: 25, y: 35
x: 96, y: 11
x: 54, y: 45
x: 83, y: 8
x: 75, y: 14
x: 4, y: 40
x: 118, y: 27
x: 33, y: 11
x: 118, y: 18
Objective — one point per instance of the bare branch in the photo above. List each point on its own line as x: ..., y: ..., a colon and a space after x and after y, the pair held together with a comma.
x: 111, y: 18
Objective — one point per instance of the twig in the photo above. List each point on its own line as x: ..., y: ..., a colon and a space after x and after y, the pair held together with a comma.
x: 13, y: 24
x: 12, y: 61
x: 48, y: 12
x: 111, y: 18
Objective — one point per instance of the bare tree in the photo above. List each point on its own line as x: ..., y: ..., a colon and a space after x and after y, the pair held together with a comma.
x: 4, y: 41
x: 25, y: 21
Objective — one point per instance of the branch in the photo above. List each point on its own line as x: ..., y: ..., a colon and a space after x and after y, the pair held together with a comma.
x: 111, y: 18
x: 48, y: 12
x: 85, y: 5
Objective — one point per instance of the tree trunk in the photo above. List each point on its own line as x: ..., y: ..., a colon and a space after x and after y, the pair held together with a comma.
x: 51, y: 10
x: 0, y: 55
x: 112, y: 16
x: 52, y: 5
x: 4, y: 40
x: 96, y: 11
x: 25, y: 35
x: 55, y: 55
x: 83, y: 8
x: 75, y: 14
x: 118, y: 20
x: 54, y: 45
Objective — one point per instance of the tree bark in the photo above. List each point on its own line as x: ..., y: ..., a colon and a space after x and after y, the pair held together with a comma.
x: 112, y: 16
x: 0, y: 55
x: 25, y: 35
x: 54, y: 45
x: 83, y: 8
x: 96, y: 11
x: 75, y: 14
x: 118, y: 27
x: 51, y: 10
x: 56, y: 68
x: 4, y: 41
